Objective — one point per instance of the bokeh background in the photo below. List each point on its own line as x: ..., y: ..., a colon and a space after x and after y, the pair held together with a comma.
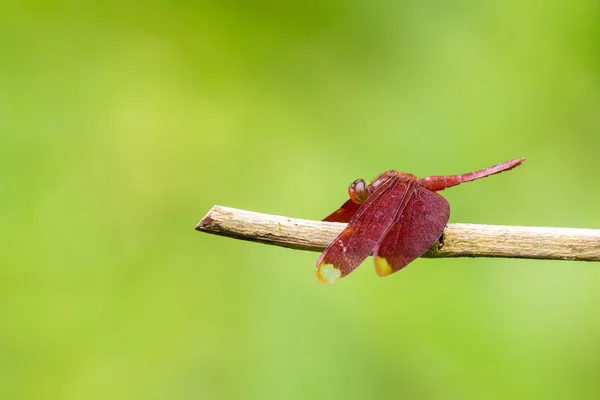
x: 122, y: 123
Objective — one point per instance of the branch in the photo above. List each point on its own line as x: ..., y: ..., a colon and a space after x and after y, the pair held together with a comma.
x: 458, y: 240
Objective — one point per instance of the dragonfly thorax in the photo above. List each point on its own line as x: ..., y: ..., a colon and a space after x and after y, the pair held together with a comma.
x: 359, y: 191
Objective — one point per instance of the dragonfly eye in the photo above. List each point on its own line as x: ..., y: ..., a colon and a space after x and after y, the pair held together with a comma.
x: 358, y: 191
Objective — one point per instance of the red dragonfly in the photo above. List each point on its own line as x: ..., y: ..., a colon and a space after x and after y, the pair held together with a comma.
x: 397, y: 217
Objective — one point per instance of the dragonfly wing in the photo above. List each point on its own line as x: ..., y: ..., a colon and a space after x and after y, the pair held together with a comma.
x: 414, y: 230
x: 364, y: 231
x: 344, y: 213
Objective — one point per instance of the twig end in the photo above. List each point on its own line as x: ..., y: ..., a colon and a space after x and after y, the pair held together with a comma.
x: 206, y: 222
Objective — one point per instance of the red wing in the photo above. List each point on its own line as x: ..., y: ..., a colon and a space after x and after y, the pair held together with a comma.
x: 413, y: 232
x: 362, y: 234
x: 344, y: 213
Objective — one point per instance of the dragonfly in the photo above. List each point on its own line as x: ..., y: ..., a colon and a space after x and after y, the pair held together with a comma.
x: 397, y: 218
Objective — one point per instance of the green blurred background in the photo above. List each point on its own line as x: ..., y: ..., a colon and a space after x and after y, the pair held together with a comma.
x: 122, y: 123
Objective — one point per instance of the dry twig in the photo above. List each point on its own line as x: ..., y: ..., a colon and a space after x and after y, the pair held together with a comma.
x: 458, y: 240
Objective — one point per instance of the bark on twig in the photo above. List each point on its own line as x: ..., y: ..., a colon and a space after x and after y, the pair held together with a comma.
x: 458, y: 240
